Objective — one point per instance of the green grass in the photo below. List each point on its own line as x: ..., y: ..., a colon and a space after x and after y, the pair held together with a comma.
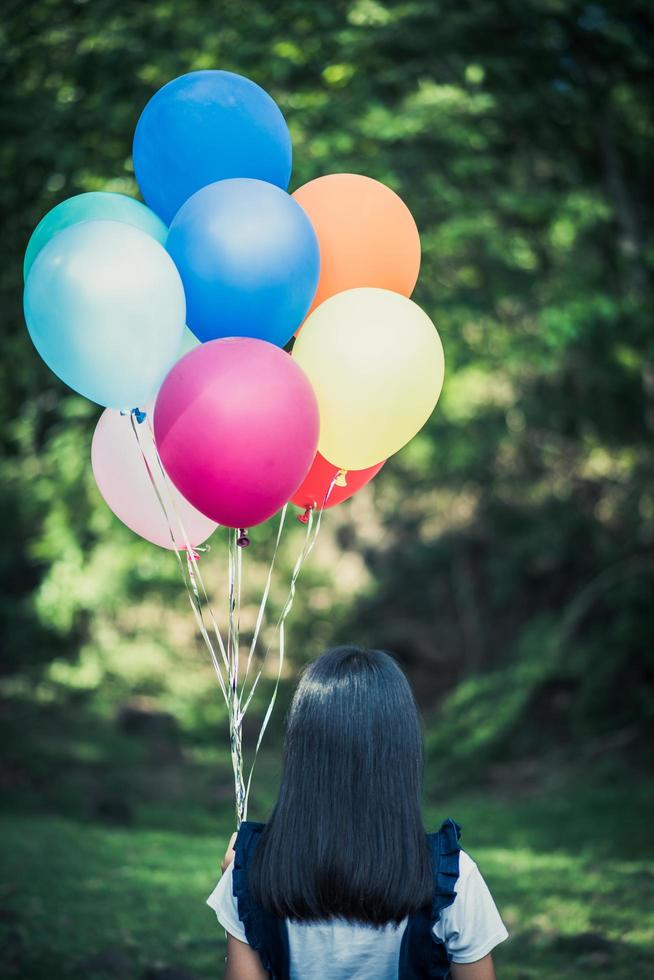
x: 79, y: 890
x: 570, y: 873
x: 569, y: 855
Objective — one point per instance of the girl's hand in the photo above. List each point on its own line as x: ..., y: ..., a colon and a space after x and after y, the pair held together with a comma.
x: 229, y: 854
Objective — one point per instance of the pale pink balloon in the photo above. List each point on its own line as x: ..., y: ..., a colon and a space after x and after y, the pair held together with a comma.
x: 122, y: 478
x: 236, y: 422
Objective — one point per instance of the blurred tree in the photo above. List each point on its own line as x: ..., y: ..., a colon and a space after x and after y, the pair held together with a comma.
x: 510, y: 546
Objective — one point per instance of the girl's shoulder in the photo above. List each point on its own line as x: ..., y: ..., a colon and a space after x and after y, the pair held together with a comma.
x: 449, y: 832
x: 449, y: 836
x: 445, y: 860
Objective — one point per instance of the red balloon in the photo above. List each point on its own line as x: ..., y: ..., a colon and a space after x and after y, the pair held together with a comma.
x: 311, y: 493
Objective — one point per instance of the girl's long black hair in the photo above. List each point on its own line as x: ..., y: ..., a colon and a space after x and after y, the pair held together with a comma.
x: 346, y: 836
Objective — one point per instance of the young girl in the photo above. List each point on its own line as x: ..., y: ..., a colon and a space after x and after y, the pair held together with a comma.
x: 343, y: 883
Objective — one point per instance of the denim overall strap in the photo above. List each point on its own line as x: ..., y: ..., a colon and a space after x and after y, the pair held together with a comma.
x: 264, y: 932
x: 421, y: 954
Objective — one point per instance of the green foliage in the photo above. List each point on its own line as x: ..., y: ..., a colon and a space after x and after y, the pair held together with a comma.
x: 519, y: 134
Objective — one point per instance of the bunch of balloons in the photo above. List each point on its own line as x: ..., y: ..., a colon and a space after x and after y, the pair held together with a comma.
x: 181, y: 309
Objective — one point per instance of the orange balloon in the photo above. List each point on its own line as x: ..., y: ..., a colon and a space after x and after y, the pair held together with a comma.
x: 366, y: 233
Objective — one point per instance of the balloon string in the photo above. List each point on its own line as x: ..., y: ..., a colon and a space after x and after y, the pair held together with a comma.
x: 233, y: 637
x: 195, y: 573
x: 197, y: 609
x: 237, y: 720
x: 230, y: 655
x: 197, y: 590
x: 198, y: 574
x: 188, y: 569
x: 307, y: 548
x: 264, y: 598
x: 296, y: 569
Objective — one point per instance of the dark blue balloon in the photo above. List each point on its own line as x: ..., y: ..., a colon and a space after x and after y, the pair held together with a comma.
x: 249, y: 260
x: 203, y: 127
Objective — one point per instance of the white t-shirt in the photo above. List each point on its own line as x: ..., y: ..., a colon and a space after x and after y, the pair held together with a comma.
x: 336, y: 949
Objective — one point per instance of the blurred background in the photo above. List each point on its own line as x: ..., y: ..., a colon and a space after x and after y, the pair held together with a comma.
x: 506, y: 556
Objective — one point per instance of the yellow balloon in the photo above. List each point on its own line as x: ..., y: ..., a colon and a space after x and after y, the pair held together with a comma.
x: 376, y: 364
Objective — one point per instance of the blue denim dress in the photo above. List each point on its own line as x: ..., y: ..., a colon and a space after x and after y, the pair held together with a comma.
x: 422, y: 955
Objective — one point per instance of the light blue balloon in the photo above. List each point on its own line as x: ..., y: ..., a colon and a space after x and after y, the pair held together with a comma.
x: 93, y: 206
x: 105, y: 308
x: 207, y: 126
x: 249, y: 260
x: 189, y: 343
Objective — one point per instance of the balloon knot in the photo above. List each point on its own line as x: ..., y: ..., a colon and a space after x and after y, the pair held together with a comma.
x: 304, y: 518
x: 139, y: 415
x: 242, y: 540
x: 341, y: 479
x: 191, y: 554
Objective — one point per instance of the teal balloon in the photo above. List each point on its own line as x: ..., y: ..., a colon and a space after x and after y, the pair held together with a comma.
x: 94, y: 206
x: 105, y: 308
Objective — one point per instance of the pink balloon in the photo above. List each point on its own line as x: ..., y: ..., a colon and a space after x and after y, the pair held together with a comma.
x: 237, y: 424
x: 123, y: 481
